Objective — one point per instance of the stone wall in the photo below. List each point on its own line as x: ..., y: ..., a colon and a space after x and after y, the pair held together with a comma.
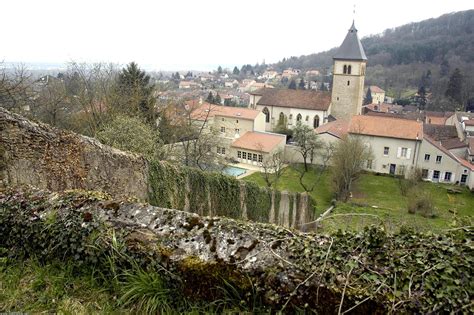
x: 369, y: 272
x: 48, y: 158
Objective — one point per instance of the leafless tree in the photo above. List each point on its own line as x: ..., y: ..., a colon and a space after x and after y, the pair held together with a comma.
x: 273, y: 167
x: 350, y: 155
x: 325, y: 153
x: 14, y: 86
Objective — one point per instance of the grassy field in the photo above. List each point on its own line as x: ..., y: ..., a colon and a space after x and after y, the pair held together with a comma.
x: 378, y: 200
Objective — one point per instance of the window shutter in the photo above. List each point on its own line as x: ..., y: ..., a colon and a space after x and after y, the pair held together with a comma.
x: 408, y: 153
x: 441, y: 176
x: 430, y: 175
x: 399, y: 152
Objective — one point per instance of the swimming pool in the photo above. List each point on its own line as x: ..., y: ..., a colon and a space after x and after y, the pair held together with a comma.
x: 233, y: 171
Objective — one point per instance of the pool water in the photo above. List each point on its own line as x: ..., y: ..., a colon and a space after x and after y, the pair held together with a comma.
x: 233, y: 171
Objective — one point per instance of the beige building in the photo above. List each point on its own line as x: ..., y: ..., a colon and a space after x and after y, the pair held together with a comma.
x: 348, y: 77
x: 256, y: 147
x: 289, y: 106
x: 377, y: 94
x: 395, y: 143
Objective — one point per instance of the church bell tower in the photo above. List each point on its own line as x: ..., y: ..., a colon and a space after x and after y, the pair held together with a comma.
x: 349, y: 65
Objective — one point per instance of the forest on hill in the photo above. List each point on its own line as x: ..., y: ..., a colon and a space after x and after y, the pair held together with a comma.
x: 403, y: 59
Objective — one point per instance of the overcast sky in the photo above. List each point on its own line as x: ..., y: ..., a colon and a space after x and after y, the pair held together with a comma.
x: 195, y: 34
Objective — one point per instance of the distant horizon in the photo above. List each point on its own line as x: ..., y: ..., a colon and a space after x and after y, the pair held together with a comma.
x: 164, y: 37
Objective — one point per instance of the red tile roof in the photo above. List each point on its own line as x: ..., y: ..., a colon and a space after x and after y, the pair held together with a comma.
x: 376, y: 89
x: 337, y: 128
x: 469, y: 122
x: 306, y: 99
x: 210, y: 110
x: 259, y: 141
x: 386, y: 127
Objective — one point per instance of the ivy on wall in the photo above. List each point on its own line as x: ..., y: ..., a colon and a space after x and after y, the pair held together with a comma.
x: 213, y: 193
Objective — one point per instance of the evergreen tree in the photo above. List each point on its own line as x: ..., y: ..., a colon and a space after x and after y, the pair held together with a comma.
x: 368, y: 97
x: 136, y: 91
x: 422, y: 97
x: 236, y: 71
x: 292, y: 85
x: 454, y: 90
x: 219, y: 69
x: 210, y: 98
x: 217, y: 99
x: 302, y: 84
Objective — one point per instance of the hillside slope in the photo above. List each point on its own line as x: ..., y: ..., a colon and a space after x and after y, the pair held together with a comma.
x: 399, y: 57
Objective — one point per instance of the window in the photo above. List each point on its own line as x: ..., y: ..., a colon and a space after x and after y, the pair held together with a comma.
x: 438, y: 159
x: 348, y: 82
x: 344, y: 69
x: 424, y: 173
x: 223, y: 119
x: 316, y: 121
x: 369, y: 164
x: 237, y: 131
x: 299, y: 117
x: 290, y: 117
x: 386, y: 150
x: 403, y: 153
x: 255, y: 157
x: 236, y: 121
x: 244, y: 155
x: 249, y: 156
x: 222, y: 129
x: 260, y: 158
x: 223, y: 150
x: 427, y: 157
x: 447, y: 176
x: 435, y: 174
x: 267, y: 114
x: 307, y: 118
x: 401, y: 169
x: 463, y: 179
x: 218, y: 150
x: 239, y: 154
x: 349, y: 70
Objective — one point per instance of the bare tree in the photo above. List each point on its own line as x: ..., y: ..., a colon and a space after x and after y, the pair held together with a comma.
x: 273, y: 167
x: 52, y: 103
x: 325, y: 153
x: 196, y: 140
x: 307, y: 142
x: 349, y: 157
x: 94, y: 94
x: 14, y: 86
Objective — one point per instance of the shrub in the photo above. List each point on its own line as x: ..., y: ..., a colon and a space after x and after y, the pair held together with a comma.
x: 421, y: 203
x: 130, y: 134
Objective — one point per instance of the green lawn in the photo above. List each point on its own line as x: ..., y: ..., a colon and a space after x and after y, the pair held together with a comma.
x: 378, y: 200
x: 322, y: 193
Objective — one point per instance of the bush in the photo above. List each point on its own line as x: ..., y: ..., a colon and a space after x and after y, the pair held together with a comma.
x: 421, y: 203
x: 130, y: 134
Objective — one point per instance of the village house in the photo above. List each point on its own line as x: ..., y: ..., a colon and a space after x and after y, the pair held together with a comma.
x: 269, y: 74
x: 189, y: 85
x: 255, y: 147
x: 377, y: 94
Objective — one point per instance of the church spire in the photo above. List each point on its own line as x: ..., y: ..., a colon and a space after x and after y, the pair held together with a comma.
x: 351, y: 48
